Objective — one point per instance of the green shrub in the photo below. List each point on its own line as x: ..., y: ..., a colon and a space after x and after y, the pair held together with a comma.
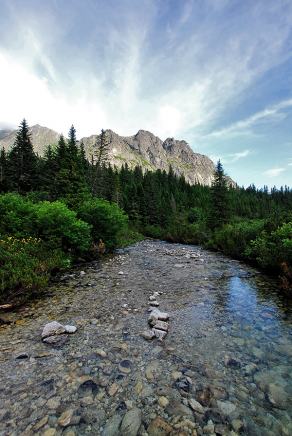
x: 233, y: 239
x: 271, y: 250
x: 107, y: 220
x: 61, y: 228
x: 53, y: 222
x: 25, y: 266
x: 17, y: 216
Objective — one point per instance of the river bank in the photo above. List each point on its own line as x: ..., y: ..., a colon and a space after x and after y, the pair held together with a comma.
x: 224, y: 368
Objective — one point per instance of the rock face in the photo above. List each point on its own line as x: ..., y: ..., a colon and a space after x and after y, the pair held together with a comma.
x: 143, y: 149
x: 41, y: 137
x: 150, y: 152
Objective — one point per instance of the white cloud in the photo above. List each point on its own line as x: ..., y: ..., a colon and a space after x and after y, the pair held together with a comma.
x: 131, y: 74
x: 274, y: 112
x: 274, y: 172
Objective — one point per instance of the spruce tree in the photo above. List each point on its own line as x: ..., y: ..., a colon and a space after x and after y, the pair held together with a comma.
x: 23, y: 161
x: 4, y: 181
x: 219, y: 212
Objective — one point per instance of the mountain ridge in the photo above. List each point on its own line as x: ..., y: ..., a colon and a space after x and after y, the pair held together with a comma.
x: 141, y: 149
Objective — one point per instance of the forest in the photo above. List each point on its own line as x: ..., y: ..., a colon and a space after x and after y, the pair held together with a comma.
x: 60, y: 208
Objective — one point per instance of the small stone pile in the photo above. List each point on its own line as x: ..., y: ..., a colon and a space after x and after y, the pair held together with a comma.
x: 54, y: 332
x: 158, y: 321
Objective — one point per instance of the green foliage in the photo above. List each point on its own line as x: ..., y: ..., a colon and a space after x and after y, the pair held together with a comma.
x: 25, y: 266
x: 271, y: 250
x: 106, y: 219
x: 53, y: 222
x: 22, y: 161
x: 233, y: 238
x: 61, y: 228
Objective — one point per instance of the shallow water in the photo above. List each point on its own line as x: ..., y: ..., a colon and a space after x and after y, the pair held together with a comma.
x: 230, y: 342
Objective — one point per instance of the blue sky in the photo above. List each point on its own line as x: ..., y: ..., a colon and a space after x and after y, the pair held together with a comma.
x: 217, y: 73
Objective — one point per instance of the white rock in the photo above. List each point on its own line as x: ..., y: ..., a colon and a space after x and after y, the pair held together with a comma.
x: 53, y: 328
x: 152, y: 298
x: 70, y: 328
x: 156, y: 315
x: 82, y: 273
x: 120, y: 273
x: 161, y: 325
x: 178, y: 265
x: 148, y: 334
x: 154, y: 303
x: 160, y: 334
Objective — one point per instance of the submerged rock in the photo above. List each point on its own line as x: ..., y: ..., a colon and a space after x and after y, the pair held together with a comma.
x: 159, y: 427
x: 131, y: 422
x: 157, y: 315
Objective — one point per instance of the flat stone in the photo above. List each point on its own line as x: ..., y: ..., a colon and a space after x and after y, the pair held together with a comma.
x: 176, y: 408
x: 277, y: 396
x: 175, y: 375
x: 226, y: 407
x: 112, y: 426
x: 159, y: 427
x: 131, y: 422
x: 148, y: 334
x: 53, y: 328
x: 196, y: 406
x: 157, y: 315
x: 160, y: 334
x: 67, y: 418
x: 40, y: 423
x: 58, y: 341
x: 161, y: 325
x: 178, y: 265
x: 53, y: 403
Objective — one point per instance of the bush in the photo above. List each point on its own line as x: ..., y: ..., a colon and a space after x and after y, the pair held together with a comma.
x: 107, y: 220
x: 61, y: 228
x: 53, y: 222
x: 25, y: 266
x: 233, y: 239
x: 17, y: 216
x: 272, y: 250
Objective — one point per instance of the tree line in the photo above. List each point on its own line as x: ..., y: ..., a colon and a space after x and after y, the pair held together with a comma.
x: 253, y: 224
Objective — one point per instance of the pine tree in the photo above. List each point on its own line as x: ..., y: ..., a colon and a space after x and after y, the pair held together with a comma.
x: 219, y: 212
x: 101, y: 148
x: 23, y: 161
x: 4, y: 181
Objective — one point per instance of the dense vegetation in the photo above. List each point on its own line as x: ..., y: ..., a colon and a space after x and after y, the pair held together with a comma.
x: 56, y: 209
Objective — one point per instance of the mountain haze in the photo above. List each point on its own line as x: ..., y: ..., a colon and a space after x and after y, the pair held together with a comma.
x: 143, y: 149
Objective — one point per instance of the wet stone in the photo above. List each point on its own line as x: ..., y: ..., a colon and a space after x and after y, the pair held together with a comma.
x: 159, y: 427
x: 125, y: 366
x: 131, y: 422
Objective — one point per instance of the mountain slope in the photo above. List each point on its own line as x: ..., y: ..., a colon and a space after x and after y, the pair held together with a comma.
x: 150, y: 152
x: 41, y: 138
x: 143, y: 149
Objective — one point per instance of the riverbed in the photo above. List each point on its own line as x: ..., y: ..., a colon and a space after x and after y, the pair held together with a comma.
x: 224, y: 367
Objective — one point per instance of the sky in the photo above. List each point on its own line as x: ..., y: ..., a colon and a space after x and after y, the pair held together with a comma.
x: 217, y: 73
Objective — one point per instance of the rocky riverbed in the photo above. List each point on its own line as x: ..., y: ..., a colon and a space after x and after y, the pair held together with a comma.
x: 224, y: 367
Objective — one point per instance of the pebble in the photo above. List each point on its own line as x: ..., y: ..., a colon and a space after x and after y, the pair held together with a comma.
x: 163, y: 401
x: 100, y: 352
x: 160, y: 334
x: 159, y: 427
x: 148, y: 334
x: 131, y: 422
x: 196, y: 406
x: 125, y: 366
x: 53, y: 328
x: 112, y: 426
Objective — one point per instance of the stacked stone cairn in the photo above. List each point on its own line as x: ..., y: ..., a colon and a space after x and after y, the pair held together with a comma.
x: 158, y: 321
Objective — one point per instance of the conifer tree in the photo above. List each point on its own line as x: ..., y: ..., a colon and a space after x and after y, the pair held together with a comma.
x: 101, y: 148
x: 23, y: 161
x: 4, y: 181
x: 219, y: 212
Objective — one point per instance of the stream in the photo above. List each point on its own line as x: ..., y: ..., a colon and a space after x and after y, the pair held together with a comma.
x: 223, y: 369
